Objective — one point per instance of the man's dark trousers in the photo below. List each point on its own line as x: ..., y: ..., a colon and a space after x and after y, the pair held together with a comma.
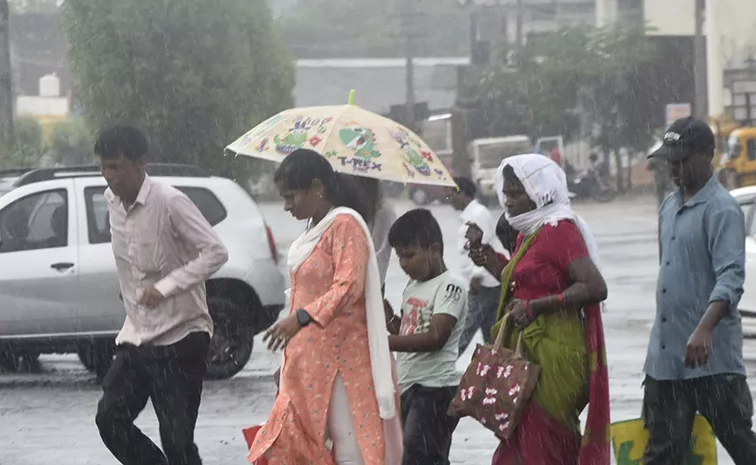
x: 171, y: 376
x: 669, y: 409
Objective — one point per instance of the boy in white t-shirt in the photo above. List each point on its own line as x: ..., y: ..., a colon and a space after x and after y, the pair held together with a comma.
x: 426, y: 338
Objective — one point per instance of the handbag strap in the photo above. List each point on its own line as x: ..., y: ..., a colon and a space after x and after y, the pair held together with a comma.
x: 499, y: 342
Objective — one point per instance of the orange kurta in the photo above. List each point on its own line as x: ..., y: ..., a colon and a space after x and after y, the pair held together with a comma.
x: 330, y: 285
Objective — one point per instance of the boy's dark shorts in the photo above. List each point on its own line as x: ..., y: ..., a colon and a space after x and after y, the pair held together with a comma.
x: 427, y: 428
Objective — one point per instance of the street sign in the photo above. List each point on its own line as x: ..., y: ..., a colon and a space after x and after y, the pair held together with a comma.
x: 744, y: 87
x: 676, y: 111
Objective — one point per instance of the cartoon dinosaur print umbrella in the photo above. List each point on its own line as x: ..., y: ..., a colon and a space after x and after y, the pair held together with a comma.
x: 354, y: 140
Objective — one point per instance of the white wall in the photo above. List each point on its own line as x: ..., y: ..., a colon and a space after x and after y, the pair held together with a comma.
x: 28, y: 105
x: 736, y: 21
x: 671, y: 17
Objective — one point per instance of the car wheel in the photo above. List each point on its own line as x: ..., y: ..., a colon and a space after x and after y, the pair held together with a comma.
x: 233, y: 338
x: 97, y: 357
x: 419, y: 196
x: 10, y: 361
x: 20, y: 361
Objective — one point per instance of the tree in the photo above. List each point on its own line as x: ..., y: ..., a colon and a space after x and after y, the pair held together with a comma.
x: 71, y: 143
x: 577, y: 73
x: 194, y: 75
x: 369, y: 28
x: 6, y: 79
x: 541, y: 80
x: 27, y: 146
x: 615, y: 93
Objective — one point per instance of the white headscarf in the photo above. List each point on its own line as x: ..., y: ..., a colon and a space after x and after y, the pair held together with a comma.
x: 546, y: 185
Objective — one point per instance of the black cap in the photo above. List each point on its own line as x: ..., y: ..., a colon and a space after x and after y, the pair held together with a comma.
x: 684, y: 138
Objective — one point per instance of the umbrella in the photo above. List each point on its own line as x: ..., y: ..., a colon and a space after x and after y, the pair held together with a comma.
x: 355, y: 141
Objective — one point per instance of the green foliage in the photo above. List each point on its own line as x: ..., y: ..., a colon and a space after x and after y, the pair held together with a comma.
x: 71, y: 142
x: 578, y: 72
x: 543, y: 80
x: 618, y: 54
x: 194, y: 75
x: 369, y: 28
x: 27, y: 146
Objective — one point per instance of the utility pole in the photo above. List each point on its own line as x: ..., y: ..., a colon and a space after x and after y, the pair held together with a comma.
x: 715, y: 73
x: 519, y: 31
x: 700, y: 67
x: 606, y: 12
x: 6, y: 81
x: 410, y: 66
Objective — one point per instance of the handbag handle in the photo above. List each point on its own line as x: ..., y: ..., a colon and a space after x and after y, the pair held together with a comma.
x: 499, y: 342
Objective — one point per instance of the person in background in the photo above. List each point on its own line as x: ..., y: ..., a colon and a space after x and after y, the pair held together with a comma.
x: 556, y: 156
x: 551, y: 290
x: 336, y: 376
x: 662, y: 179
x: 426, y: 338
x: 695, y: 353
x: 379, y: 215
x: 164, y: 251
x: 483, y: 289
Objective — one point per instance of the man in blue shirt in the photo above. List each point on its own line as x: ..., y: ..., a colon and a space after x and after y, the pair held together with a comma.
x: 695, y: 354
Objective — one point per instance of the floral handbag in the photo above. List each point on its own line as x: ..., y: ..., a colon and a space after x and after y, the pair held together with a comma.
x: 497, y: 386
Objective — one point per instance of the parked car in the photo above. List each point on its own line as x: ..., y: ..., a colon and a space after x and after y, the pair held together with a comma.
x: 8, y: 177
x: 746, y: 197
x: 58, y: 287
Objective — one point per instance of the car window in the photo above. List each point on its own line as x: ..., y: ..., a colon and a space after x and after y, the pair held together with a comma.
x: 37, y: 221
x: 209, y: 205
x: 752, y: 149
x: 98, y: 218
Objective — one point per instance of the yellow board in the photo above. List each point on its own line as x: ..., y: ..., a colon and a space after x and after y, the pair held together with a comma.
x: 629, y: 439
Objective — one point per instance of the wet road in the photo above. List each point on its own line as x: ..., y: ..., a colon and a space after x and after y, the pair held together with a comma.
x: 48, y: 417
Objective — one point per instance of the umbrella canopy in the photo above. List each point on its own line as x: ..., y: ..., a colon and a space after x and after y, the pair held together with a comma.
x: 355, y: 141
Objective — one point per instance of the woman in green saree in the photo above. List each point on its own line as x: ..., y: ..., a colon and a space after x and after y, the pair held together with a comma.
x: 551, y: 292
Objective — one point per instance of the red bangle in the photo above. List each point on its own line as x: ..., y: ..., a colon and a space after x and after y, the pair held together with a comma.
x: 560, y: 299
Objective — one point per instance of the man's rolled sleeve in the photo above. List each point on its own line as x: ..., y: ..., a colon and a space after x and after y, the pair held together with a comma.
x: 726, y: 237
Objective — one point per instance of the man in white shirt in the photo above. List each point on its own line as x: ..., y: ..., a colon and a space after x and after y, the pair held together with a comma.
x: 484, y: 289
x: 164, y: 251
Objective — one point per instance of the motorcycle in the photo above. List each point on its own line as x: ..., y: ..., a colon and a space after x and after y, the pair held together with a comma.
x: 590, y: 185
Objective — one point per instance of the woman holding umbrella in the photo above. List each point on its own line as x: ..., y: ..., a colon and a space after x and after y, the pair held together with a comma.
x: 336, y: 384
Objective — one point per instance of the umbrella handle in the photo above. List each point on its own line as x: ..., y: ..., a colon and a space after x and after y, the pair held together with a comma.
x: 352, y: 95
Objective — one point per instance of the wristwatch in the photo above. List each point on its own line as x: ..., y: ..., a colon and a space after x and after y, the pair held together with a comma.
x: 303, y: 317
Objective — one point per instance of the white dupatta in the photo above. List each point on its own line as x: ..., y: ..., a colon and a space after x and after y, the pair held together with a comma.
x: 546, y: 185
x: 380, y: 356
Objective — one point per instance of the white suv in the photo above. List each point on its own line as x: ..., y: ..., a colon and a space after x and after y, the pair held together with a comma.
x: 58, y: 287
